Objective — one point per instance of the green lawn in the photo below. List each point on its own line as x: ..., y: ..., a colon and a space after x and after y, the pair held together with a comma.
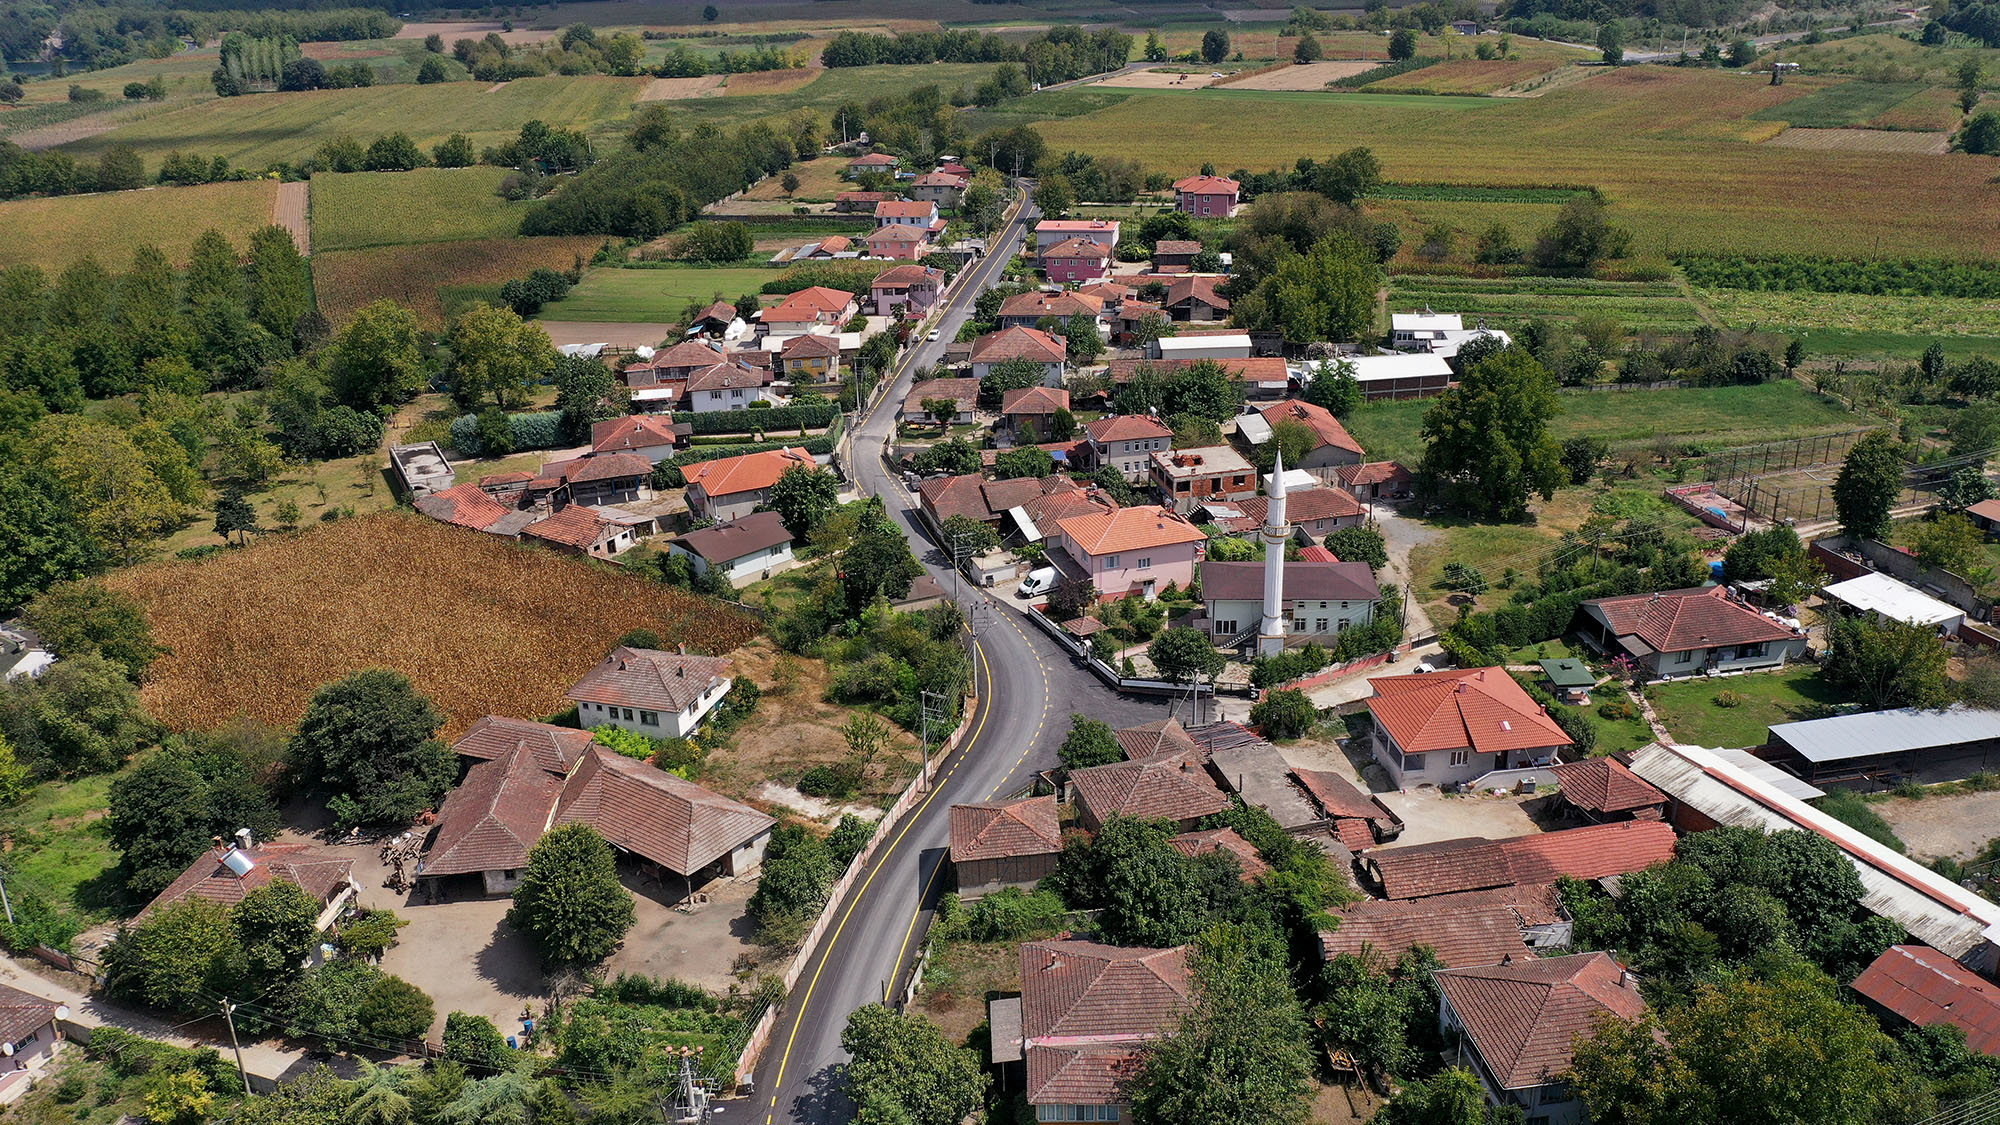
x: 61, y: 851
x: 1893, y: 345
x: 638, y: 295
x: 1837, y: 107
x: 1688, y: 710
x: 1510, y: 303
x: 363, y: 209
x: 1824, y: 318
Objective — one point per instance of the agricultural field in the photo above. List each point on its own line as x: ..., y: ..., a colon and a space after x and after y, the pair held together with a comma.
x: 819, y: 181
x: 1862, y: 140
x: 479, y: 624
x: 436, y: 279
x: 1886, y: 57
x: 1840, y: 105
x: 59, y: 850
x: 1931, y: 109
x: 1793, y: 313
x: 257, y: 130
x: 51, y: 233
x: 1634, y: 133
x: 652, y: 294
x: 1465, y: 76
x: 1510, y: 303
x: 363, y: 209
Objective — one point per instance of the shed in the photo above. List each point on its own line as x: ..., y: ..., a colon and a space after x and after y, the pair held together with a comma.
x: 1957, y: 741
x: 1571, y: 678
x: 1231, y: 345
x: 1883, y: 596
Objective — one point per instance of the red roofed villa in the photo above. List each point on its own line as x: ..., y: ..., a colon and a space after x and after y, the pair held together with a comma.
x: 1453, y: 727
x: 1075, y: 260
x: 729, y: 487
x: 657, y: 694
x: 1688, y: 632
x: 1214, y: 196
x: 1131, y: 550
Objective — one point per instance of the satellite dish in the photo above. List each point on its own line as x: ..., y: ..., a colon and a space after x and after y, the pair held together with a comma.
x: 62, y: 1011
x: 7, y: 1049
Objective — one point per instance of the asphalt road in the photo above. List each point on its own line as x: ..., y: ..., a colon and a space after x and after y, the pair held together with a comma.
x: 1027, y: 688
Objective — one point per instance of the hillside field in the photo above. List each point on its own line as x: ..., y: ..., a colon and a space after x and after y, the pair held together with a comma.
x: 51, y: 233
x: 363, y: 209
x: 436, y: 278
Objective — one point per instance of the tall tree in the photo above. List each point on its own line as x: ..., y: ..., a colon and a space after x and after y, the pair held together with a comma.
x: 803, y: 497
x: 149, y: 313
x: 1869, y: 481
x: 1240, y: 1053
x: 378, y: 359
x: 1489, y: 446
x: 1327, y: 293
x: 496, y: 355
x: 113, y: 486
x: 75, y: 618
x: 166, y: 809
x: 1886, y: 664
x: 42, y: 541
x: 1089, y: 743
x: 214, y: 270
x: 900, y: 1068
x: 586, y: 394
x: 1185, y: 655
x: 369, y: 740
x: 1334, y: 387
x: 570, y: 903
x: 280, y: 289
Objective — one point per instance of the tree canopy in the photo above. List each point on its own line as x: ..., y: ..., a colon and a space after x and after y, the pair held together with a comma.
x: 1488, y: 442
x: 369, y: 741
x: 570, y: 903
x: 1869, y: 481
x: 900, y: 1068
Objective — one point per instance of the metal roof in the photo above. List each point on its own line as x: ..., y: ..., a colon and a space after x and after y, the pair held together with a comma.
x: 1568, y: 673
x: 1931, y: 908
x: 1879, y: 593
x: 1770, y: 775
x: 1887, y: 732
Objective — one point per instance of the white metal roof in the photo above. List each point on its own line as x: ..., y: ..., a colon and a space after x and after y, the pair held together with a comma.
x: 1236, y: 341
x: 1026, y: 523
x: 1878, y: 593
x: 1254, y: 428
x: 1887, y: 732
x: 1426, y: 322
x: 1414, y: 366
x: 1296, y: 480
x: 1770, y: 775
x: 1448, y: 344
x: 1933, y: 909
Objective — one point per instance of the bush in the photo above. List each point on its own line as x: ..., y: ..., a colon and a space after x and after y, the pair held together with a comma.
x: 1727, y: 698
x: 1285, y: 714
x: 830, y: 782
x: 1617, y: 711
x: 540, y: 430
x: 1009, y: 914
x: 764, y: 421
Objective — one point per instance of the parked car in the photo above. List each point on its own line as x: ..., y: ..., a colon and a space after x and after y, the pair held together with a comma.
x: 1038, y: 581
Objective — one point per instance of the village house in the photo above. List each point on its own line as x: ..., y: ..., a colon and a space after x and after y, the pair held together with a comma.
x: 717, y: 321
x: 1688, y: 632
x: 1129, y: 442
x: 1074, y: 260
x: 1207, y: 196
x: 730, y: 386
x: 861, y: 202
x: 1259, y: 377
x: 1195, y: 300
x: 897, y: 242
x: 910, y: 289
x: 1332, y: 445
x: 1377, y: 480
x: 1468, y: 929
x: 991, y: 502
x: 1187, y: 478
x: 1080, y: 1029
x: 1921, y: 987
x: 1175, y: 255
x: 469, y: 506
x: 1051, y: 231
x: 1173, y: 785
x: 1447, y: 728
x: 1322, y: 600
x: 1515, y: 1025
x: 596, y: 532
x: 918, y: 214
x: 1131, y: 550
x: 28, y: 1027
x: 1036, y: 407
x: 226, y: 873
x: 651, y: 437
x: 1985, y: 516
x: 675, y: 364
x: 595, y: 478
x: 996, y: 844
x: 1310, y: 512
x: 1602, y: 790
x: 728, y: 487
x: 654, y: 693
x: 746, y: 549
x: 942, y: 189
x: 1129, y: 318
x: 1358, y: 822
x: 1474, y: 863
x: 1417, y: 331
x: 873, y: 162
x: 810, y: 359
x: 813, y: 307
x: 1021, y: 343
x: 1028, y: 310
x: 963, y: 393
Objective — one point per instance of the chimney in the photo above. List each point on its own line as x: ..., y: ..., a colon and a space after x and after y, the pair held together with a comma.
x: 1626, y: 979
x: 244, y: 839
x: 1461, y: 687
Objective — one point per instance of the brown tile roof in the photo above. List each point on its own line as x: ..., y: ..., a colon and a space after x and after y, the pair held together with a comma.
x: 573, y: 526
x: 1985, y: 509
x: 1605, y: 785
x: 956, y: 496
x: 939, y: 179
x: 1207, y: 185
x: 1926, y: 987
x: 1678, y: 620
x: 1076, y: 248
x: 1525, y: 1016
x: 1177, y: 246
x: 1019, y: 343
x: 1174, y: 786
x: 1461, y: 933
x: 904, y: 209
x: 1108, y: 290
x: 810, y: 303
x: 649, y: 678
x: 1374, y: 472
x: 22, y: 1014
x: 894, y: 232
x: 748, y: 472
x: 492, y: 479
x: 1048, y: 510
x: 904, y: 276
x: 965, y: 392
x: 1161, y: 736
x: 317, y: 871
x: 1305, y: 506
x: 647, y: 811
x: 724, y: 311
x: 598, y: 466
x: 491, y: 820
x: 1082, y: 989
x: 1129, y: 529
x: 809, y: 345
x: 723, y: 376
x: 1309, y: 581
x: 1127, y: 427
x: 1200, y: 289
x: 555, y: 748
x: 873, y: 160
x: 687, y: 353
x: 1039, y: 304
x: 1005, y: 829
x: 832, y: 244
x: 463, y: 505
x: 1481, y: 709
x: 1474, y: 863
x: 634, y: 432
x: 1225, y: 840
x: 1083, y: 1073
x: 1255, y: 369
x: 1318, y: 419
x: 722, y: 542
x: 1034, y: 400
x: 1337, y: 797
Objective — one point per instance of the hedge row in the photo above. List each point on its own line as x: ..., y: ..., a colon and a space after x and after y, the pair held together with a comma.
x: 540, y: 430
x: 1908, y: 277
x: 833, y: 275
x: 762, y: 420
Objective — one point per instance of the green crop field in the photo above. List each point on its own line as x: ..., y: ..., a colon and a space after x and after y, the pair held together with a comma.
x: 1718, y: 417
x: 1636, y: 134
x: 257, y: 130
x: 363, y: 209
x: 1884, y: 56
x: 1836, y: 107
x: 51, y: 233
x: 651, y: 294
x: 1510, y: 303
x: 1796, y: 312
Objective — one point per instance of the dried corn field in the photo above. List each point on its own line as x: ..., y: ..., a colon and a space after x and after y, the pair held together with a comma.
x: 478, y: 624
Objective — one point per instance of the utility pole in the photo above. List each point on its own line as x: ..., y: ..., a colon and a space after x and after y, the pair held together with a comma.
x: 4, y: 902
x: 229, y: 1017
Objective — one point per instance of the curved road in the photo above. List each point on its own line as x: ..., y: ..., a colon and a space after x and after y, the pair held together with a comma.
x: 1027, y: 688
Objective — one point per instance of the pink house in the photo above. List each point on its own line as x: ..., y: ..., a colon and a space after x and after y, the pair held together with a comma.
x: 1207, y: 195
x: 900, y: 242
x: 1051, y: 231
x: 912, y: 288
x: 1132, y: 550
x: 1076, y: 259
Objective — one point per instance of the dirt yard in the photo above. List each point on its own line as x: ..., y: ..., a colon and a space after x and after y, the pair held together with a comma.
x: 1159, y: 80
x: 1311, y: 76
x: 1957, y: 825
x: 630, y: 334
x: 676, y: 89
x: 1862, y: 140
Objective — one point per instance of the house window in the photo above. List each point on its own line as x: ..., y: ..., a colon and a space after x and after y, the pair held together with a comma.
x: 649, y: 718
x: 1749, y: 652
x: 628, y: 714
x: 1225, y: 628
x: 1684, y: 657
x: 1111, y: 562
x: 1413, y: 763
x: 1145, y: 562
x: 1461, y: 757
x: 1319, y: 624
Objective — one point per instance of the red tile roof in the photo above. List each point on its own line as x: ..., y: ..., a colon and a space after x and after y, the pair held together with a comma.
x: 1080, y: 989
x: 964, y: 392
x: 1462, y: 934
x: 748, y: 472
x: 1985, y: 509
x: 599, y: 466
x: 1076, y: 248
x: 902, y: 277
x: 940, y: 179
x: 1524, y: 1017
x: 1161, y: 736
x: 635, y: 432
x: 1173, y: 786
x: 1254, y: 369
x: 894, y: 232
x: 1005, y: 829
x: 1201, y: 289
x: 1129, y: 529
x: 723, y: 311
x: 723, y: 542
x: 873, y: 160
x: 724, y: 376
x: 1317, y: 554
x: 1083, y: 1073
x: 1177, y: 246
x: 687, y: 353
x: 1127, y: 427
x: 1207, y: 185
x: 905, y: 209
x: 491, y: 820
x: 573, y: 526
x: 463, y: 505
x: 555, y: 748
x: 1337, y: 797
x: 649, y: 678
x: 1305, y: 506
x: 1926, y: 987
x: 1374, y: 472
x: 1318, y: 419
x: 1034, y: 400
x: 1605, y: 785
x: 809, y: 345
x: 1019, y: 343
x: 22, y: 1014
x: 1679, y: 620
x: 1224, y: 840
x: 1039, y: 304
x: 811, y: 303
x: 317, y: 871
x: 647, y: 811
x: 1481, y: 709
x: 1474, y: 863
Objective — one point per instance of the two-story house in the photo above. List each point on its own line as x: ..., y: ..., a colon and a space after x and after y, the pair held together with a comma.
x: 1446, y: 728
x: 898, y: 241
x: 729, y: 487
x: 1129, y: 442
x: 1207, y: 196
x: 1312, y: 512
x: 1688, y: 632
x: 1028, y: 310
x: 1051, y: 352
x: 1132, y: 550
x: 1088, y: 1014
x: 912, y: 290
x: 1515, y: 1025
x: 920, y: 214
x: 1322, y: 600
x: 813, y: 307
x: 1048, y: 232
x: 729, y: 386
x: 595, y: 478
x: 1074, y: 260
x: 647, y: 435
x: 1188, y: 478
x: 941, y: 188
x: 810, y: 359
x: 655, y: 693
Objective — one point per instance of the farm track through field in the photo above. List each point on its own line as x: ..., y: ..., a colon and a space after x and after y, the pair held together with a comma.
x: 288, y: 210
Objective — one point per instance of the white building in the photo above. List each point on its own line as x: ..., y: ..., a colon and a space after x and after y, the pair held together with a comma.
x: 1226, y: 345
x: 654, y: 693
x: 1401, y: 376
x: 1416, y: 331
x: 747, y: 549
x: 1883, y: 597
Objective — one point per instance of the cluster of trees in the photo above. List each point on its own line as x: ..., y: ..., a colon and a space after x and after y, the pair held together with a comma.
x: 250, y: 65
x: 1059, y: 54
x: 1488, y: 446
x: 113, y: 35
x: 1202, y: 389
x: 799, y: 867
x: 663, y: 179
x: 577, y: 51
x: 120, y: 168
